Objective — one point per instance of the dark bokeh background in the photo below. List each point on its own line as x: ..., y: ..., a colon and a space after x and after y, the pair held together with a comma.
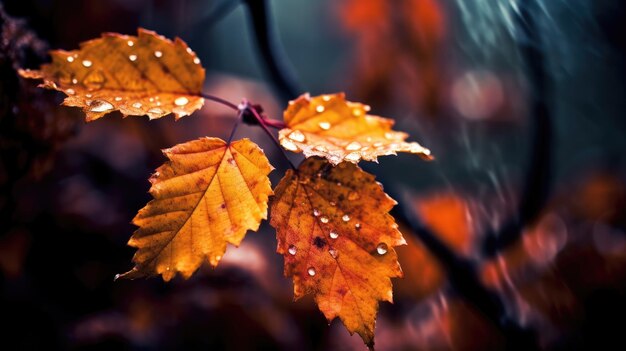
x: 451, y: 72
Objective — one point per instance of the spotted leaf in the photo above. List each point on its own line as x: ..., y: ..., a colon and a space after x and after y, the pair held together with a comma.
x: 338, y: 130
x: 137, y: 75
x: 337, y: 238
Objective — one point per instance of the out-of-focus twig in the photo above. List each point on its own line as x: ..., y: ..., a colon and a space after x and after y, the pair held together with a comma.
x: 270, y: 50
x: 536, y: 187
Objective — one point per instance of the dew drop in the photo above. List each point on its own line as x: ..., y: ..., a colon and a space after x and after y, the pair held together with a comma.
x: 311, y: 271
x: 133, y: 58
x: 189, y: 50
x: 345, y: 218
x: 288, y: 145
x: 324, y: 125
x: 100, y: 106
x: 381, y: 248
x: 88, y: 95
x: 196, y: 60
x: 70, y: 91
x: 74, y: 81
x: 130, y: 43
x: 137, y: 105
x: 326, y: 97
x: 333, y: 253
x: 356, y: 112
x: 353, y: 156
x: 292, y: 250
x: 353, y: 146
x: 181, y: 101
x: 333, y: 203
x: 324, y: 219
x: 87, y: 63
x: 367, y: 108
x: 316, y: 212
x: 320, y: 108
x: 334, y: 234
x: 70, y: 59
x: 155, y: 110
x: 353, y: 196
x: 357, y: 226
x: 158, y: 54
x: 297, y: 135
x: 118, y: 98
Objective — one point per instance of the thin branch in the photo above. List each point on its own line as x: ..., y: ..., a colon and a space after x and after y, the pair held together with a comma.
x: 536, y: 188
x: 219, y: 100
x: 261, y: 121
x: 267, y: 42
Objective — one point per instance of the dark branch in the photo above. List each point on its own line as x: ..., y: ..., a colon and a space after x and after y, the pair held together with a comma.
x: 536, y: 186
x: 275, y: 60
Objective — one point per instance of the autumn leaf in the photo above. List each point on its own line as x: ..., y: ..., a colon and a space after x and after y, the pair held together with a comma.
x: 208, y: 194
x: 337, y: 237
x: 137, y: 75
x: 338, y: 130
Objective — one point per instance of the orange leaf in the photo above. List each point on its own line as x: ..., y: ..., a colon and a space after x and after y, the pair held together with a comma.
x: 338, y: 130
x: 143, y: 75
x: 336, y: 235
x: 208, y: 194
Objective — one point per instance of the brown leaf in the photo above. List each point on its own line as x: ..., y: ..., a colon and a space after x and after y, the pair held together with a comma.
x: 337, y: 237
x: 208, y: 194
x: 338, y: 130
x: 143, y: 75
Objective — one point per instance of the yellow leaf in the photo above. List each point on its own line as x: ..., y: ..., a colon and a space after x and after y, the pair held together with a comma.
x: 208, y: 194
x: 338, y: 130
x: 337, y: 238
x: 137, y: 75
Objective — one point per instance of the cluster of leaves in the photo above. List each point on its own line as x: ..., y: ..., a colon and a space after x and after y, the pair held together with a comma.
x: 331, y: 218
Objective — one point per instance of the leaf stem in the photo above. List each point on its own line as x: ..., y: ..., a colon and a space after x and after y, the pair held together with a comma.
x: 262, y: 122
x: 235, y: 126
x: 221, y: 101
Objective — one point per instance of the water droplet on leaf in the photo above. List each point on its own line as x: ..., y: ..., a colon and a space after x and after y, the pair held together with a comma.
x: 87, y: 63
x: 158, y: 54
x: 334, y: 234
x: 333, y: 253
x: 353, y: 146
x: 288, y: 145
x: 133, y: 58
x: 297, y: 135
x: 324, y: 125
x: 353, y: 156
x: 100, y: 106
x: 320, y: 108
x: 311, y: 271
x: 181, y: 101
x: 292, y: 250
x: 381, y: 249
x: 345, y: 218
x: 324, y: 219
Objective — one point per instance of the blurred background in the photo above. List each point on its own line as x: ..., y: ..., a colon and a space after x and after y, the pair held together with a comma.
x: 516, y: 233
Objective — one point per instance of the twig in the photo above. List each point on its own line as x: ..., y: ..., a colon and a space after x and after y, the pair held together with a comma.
x: 267, y: 42
x: 536, y: 188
